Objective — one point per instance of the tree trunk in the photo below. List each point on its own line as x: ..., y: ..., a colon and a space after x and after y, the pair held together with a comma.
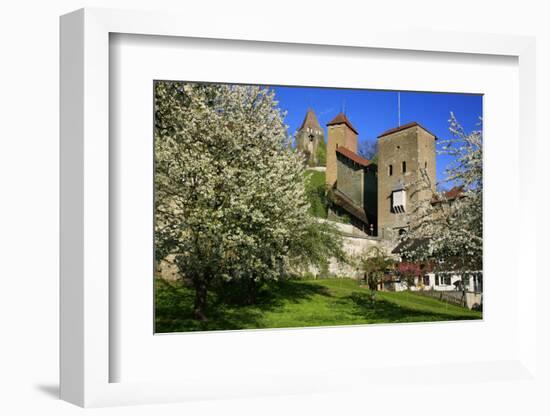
x: 464, y: 302
x: 372, y: 281
x: 201, y: 290
x: 252, y: 292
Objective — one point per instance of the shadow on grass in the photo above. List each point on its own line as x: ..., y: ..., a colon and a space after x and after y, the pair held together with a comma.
x: 271, y: 294
x: 276, y: 293
x: 225, y: 308
x: 385, y: 311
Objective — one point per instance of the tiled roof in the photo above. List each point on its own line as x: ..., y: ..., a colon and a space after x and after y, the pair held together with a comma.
x: 451, y: 195
x: 342, y: 119
x: 310, y: 120
x: 404, y: 127
x: 352, y: 156
x: 454, y: 192
x: 410, y: 245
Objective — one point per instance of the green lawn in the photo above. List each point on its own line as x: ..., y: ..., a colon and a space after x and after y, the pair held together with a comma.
x: 298, y: 303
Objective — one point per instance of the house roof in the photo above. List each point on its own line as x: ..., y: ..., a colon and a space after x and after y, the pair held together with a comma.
x: 342, y: 119
x: 410, y: 245
x: 310, y: 120
x: 353, y: 156
x: 454, y: 193
x: 405, y: 127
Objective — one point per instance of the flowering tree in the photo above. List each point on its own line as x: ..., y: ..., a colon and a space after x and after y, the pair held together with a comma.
x: 230, y: 197
x: 375, y: 263
x: 448, y: 228
x: 409, y: 272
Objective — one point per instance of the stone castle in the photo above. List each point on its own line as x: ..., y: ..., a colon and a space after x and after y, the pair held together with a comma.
x: 374, y: 197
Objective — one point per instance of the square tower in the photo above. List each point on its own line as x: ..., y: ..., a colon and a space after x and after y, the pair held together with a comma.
x: 340, y: 133
x: 403, y: 154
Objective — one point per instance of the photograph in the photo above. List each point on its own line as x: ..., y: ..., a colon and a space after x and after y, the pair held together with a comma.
x: 302, y: 206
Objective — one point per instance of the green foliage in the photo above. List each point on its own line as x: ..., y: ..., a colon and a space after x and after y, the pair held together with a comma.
x: 298, y: 303
x: 320, y: 243
x: 306, y: 276
x: 322, y: 153
x: 344, y: 219
x: 316, y: 193
x: 372, y: 298
x: 375, y: 263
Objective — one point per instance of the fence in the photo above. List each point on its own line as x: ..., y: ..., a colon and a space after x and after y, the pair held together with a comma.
x: 455, y: 297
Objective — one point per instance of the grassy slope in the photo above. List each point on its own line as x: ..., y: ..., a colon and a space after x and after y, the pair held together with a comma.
x: 299, y: 304
x: 315, y: 189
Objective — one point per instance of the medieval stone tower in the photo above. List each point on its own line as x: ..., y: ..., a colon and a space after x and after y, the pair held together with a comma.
x: 403, y: 153
x: 310, y: 138
x: 341, y: 133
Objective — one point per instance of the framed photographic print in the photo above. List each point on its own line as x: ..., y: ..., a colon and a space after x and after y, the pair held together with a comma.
x: 286, y: 213
x: 259, y: 228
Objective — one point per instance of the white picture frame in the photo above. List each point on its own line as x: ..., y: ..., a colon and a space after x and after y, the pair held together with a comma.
x: 85, y: 214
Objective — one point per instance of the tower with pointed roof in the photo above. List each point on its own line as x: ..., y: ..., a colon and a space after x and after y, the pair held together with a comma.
x: 310, y: 140
x: 341, y: 133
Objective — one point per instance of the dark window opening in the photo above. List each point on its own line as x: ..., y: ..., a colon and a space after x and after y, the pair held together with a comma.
x: 425, y: 165
x: 390, y: 170
x: 404, y: 167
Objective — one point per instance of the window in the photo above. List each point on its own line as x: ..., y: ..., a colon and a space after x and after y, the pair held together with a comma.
x: 390, y: 170
x: 425, y: 165
x: 426, y: 280
x: 399, y: 200
x: 437, y: 280
x: 447, y: 280
x: 404, y: 167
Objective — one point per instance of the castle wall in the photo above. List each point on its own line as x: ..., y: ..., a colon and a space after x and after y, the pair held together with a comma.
x: 350, y: 179
x: 426, y: 160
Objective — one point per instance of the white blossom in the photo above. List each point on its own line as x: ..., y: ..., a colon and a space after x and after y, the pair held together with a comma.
x: 230, y: 195
x: 450, y: 230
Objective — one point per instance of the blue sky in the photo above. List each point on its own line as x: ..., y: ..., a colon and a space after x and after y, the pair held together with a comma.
x: 373, y: 112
